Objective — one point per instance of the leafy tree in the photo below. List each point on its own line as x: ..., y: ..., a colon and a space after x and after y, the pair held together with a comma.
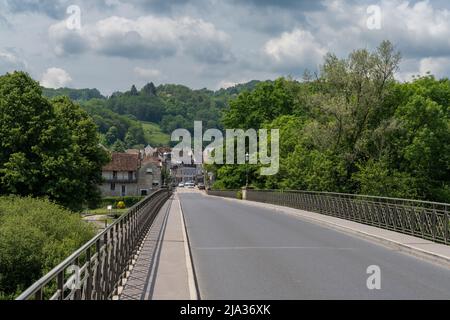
x: 352, y: 129
x: 118, y: 146
x: 112, y: 135
x: 149, y: 89
x: 47, y: 149
x: 268, y: 101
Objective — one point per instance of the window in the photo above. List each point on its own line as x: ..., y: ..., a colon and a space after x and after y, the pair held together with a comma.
x: 114, y: 175
x: 124, y: 191
x: 144, y: 193
x: 130, y: 175
x: 113, y: 186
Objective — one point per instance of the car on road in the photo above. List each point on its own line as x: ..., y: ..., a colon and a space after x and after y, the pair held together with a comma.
x: 190, y: 185
x: 201, y: 186
x: 181, y: 185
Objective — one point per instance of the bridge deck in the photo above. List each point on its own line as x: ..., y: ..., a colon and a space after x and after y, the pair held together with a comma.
x: 246, y: 250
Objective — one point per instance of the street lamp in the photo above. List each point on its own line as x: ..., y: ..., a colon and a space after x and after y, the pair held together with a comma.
x: 247, y: 159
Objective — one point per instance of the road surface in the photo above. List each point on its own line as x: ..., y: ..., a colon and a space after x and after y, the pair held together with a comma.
x: 241, y: 251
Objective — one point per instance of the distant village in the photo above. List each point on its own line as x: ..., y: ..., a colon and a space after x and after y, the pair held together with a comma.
x: 138, y: 172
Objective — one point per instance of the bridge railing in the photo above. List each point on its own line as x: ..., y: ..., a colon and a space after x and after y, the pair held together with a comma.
x: 98, y: 269
x: 423, y: 219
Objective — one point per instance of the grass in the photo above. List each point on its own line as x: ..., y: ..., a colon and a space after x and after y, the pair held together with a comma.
x: 102, y: 211
x: 154, y: 135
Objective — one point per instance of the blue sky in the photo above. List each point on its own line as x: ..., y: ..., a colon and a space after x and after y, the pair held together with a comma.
x: 210, y: 43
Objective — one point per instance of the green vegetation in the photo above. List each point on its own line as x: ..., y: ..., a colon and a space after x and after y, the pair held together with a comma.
x: 104, y: 211
x: 35, y: 235
x: 73, y: 94
x: 113, y: 201
x: 154, y: 135
x: 48, y: 148
x: 354, y: 129
x: 150, y: 115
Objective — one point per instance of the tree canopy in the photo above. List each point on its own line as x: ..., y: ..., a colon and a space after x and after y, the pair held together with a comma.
x: 352, y: 129
x: 48, y: 148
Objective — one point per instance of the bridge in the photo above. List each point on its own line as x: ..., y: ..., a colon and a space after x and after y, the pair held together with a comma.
x: 192, y: 245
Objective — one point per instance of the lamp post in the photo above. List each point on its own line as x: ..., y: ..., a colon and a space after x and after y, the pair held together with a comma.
x: 247, y: 158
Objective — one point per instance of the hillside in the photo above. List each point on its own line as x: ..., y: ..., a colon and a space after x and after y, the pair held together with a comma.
x: 151, y: 114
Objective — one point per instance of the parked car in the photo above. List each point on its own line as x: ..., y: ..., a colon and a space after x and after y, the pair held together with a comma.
x: 190, y: 185
x: 181, y: 185
x: 201, y: 186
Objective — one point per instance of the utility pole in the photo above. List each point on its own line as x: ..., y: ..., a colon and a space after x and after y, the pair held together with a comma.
x: 247, y: 159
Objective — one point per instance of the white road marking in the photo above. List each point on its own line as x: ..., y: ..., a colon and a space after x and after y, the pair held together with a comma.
x: 190, y: 271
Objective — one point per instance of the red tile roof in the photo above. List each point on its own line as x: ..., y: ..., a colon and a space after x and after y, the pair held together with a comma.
x: 123, y: 162
x: 150, y: 159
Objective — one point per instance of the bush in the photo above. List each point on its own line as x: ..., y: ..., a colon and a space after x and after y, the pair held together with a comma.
x: 239, y: 195
x: 35, y: 235
x: 114, y: 201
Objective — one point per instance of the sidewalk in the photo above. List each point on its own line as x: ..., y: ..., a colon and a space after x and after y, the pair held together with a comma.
x: 421, y: 248
x: 163, y: 269
x: 174, y: 276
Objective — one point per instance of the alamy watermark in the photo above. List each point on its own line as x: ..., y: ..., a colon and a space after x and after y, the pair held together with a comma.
x: 374, y: 280
x: 236, y: 147
x: 374, y: 17
x: 73, y: 22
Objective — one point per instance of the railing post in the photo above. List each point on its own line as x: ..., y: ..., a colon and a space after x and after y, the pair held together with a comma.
x: 446, y: 225
x: 60, y: 284
x: 88, y: 288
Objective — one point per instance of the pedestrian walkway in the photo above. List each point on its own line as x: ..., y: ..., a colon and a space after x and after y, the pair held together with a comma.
x: 163, y: 269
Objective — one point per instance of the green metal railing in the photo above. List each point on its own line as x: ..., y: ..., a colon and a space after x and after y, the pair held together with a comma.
x: 423, y: 219
x: 97, y: 270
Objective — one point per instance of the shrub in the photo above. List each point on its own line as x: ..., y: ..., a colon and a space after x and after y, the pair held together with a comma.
x: 113, y: 201
x: 121, y: 205
x: 239, y: 195
x: 35, y: 235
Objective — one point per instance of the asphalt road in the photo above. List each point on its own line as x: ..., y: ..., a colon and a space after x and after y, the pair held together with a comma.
x: 243, y: 252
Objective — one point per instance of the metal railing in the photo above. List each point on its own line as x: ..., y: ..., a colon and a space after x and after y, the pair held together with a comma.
x: 120, y: 180
x: 99, y: 268
x: 423, y: 219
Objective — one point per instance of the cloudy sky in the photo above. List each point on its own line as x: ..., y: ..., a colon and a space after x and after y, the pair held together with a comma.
x: 210, y: 43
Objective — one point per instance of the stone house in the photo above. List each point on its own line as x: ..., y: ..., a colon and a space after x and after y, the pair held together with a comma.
x: 130, y: 174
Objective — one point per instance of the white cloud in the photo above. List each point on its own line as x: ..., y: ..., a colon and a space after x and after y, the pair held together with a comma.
x: 418, y: 29
x: 296, y: 48
x: 225, y: 84
x: 55, y: 78
x: 147, y: 37
x: 437, y: 66
x: 9, y: 61
x: 147, y: 73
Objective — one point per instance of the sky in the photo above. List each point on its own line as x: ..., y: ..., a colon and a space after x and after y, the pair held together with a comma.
x: 112, y: 44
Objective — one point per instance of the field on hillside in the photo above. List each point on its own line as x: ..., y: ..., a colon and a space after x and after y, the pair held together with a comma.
x: 154, y: 135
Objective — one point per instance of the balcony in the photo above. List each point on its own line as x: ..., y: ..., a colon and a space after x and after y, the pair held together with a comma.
x: 120, y: 180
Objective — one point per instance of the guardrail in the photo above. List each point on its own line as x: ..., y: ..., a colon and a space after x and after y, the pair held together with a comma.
x: 99, y: 268
x: 423, y: 219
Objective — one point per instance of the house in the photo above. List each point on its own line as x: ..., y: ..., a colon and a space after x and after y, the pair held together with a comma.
x: 130, y: 174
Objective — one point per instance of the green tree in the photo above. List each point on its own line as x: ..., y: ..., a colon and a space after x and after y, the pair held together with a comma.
x: 118, y: 146
x: 46, y: 150
x: 112, y: 135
